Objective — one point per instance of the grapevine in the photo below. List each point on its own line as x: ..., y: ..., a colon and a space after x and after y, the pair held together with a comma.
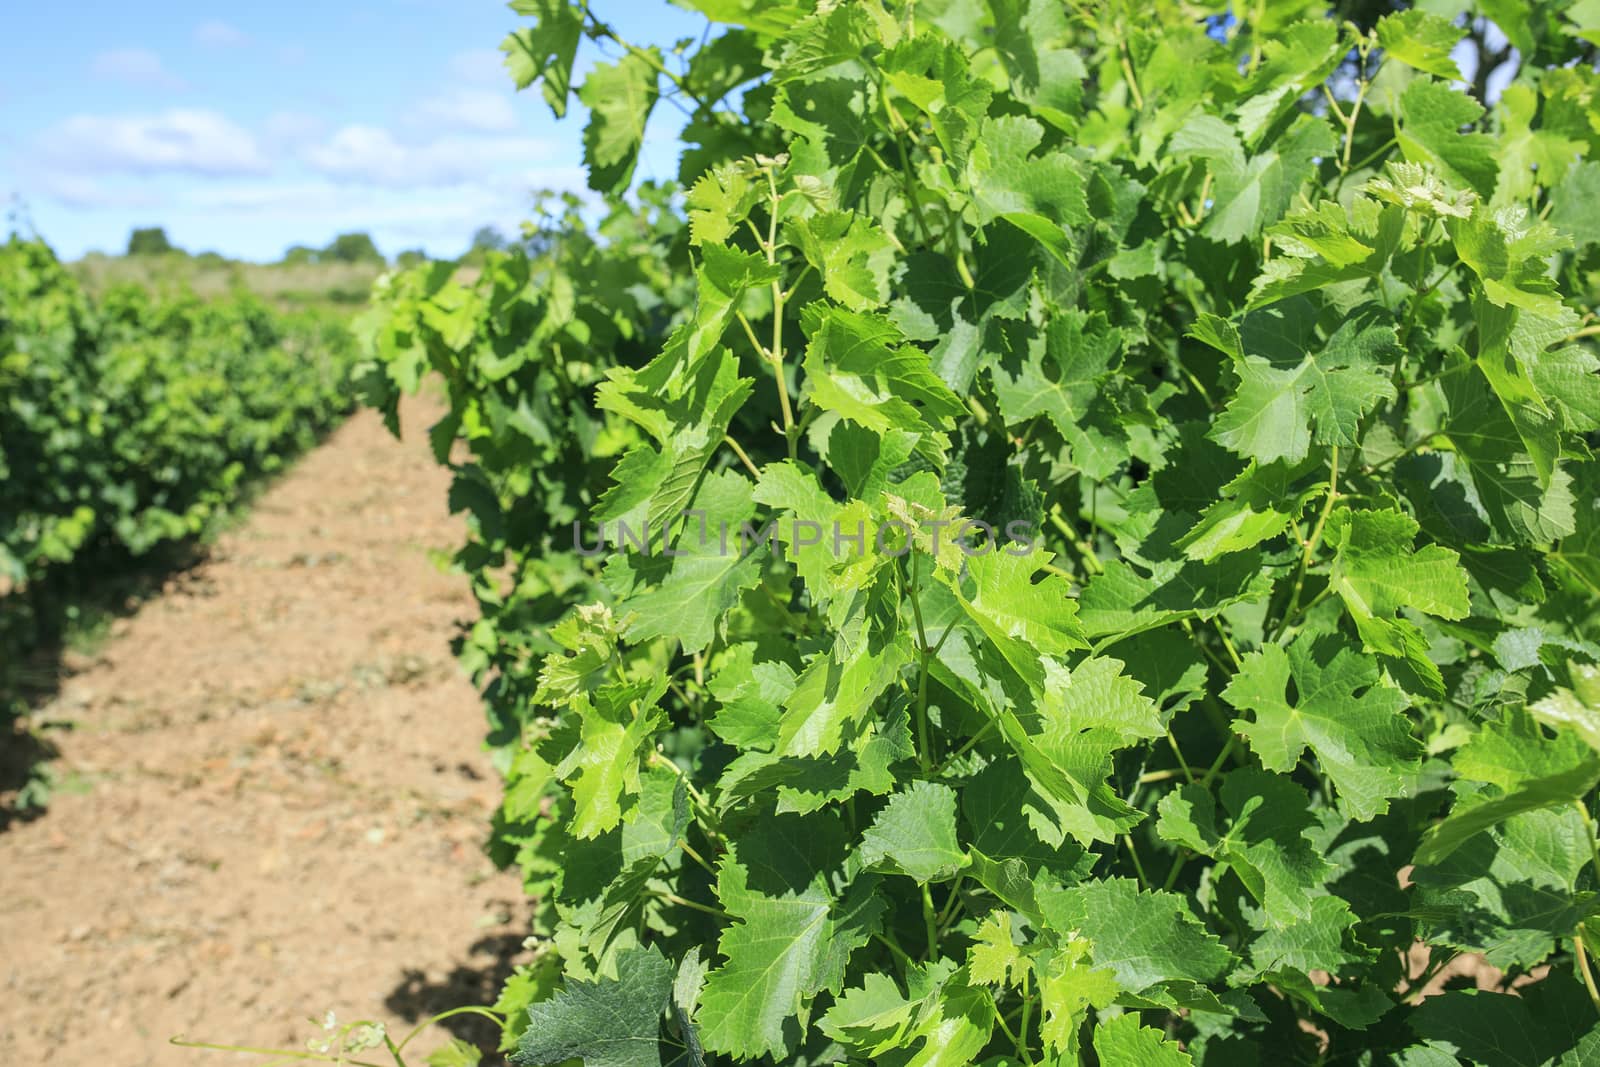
x: 1278, y: 347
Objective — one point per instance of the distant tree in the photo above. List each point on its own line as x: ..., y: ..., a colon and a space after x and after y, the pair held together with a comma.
x: 489, y: 238
x: 411, y: 257
x: 149, y: 241
x: 300, y: 254
x: 353, y: 248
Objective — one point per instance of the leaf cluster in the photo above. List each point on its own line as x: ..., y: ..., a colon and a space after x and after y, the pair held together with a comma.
x: 1277, y: 344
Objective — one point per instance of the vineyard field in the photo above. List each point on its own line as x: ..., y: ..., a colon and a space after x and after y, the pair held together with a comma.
x: 982, y: 533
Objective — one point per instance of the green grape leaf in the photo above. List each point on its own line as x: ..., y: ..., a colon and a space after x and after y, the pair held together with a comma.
x: 1352, y: 723
x: 1252, y: 193
x: 1256, y: 506
x: 1501, y: 1029
x: 600, y: 890
x: 1069, y: 985
x: 1023, y: 619
x: 915, y: 835
x: 1533, y: 794
x: 1422, y: 41
x: 1144, y: 938
x: 687, y: 416
x: 1122, y: 1042
x: 995, y: 958
x: 720, y: 200
x: 683, y: 592
x: 1086, y: 716
x: 791, y: 938
x: 856, y: 366
x: 1264, y: 840
x: 835, y: 693
x: 545, y: 51
x: 851, y: 254
x: 1319, y: 941
x: 1430, y: 118
x: 943, y: 1015
x: 616, y: 726
x: 1290, y: 396
x: 1376, y: 572
x: 1063, y: 374
x: 1043, y: 195
x: 1521, y: 506
x: 619, y: 97
x: 1576, y: 710
x: 611, y: 1022
x: 1122, y: 602
x: 810, y: 783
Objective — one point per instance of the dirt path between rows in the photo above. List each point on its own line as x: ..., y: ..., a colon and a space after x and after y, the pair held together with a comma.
x: 283, y: 797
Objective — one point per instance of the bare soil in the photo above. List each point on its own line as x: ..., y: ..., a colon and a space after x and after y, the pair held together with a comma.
x: 277, y: 797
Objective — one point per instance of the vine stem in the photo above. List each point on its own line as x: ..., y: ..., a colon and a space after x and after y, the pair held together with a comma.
x: 1178, y: 863
x: 1091, y: 562
x: 1178, y: 752
x: 924, y: 751
x: 949, y: 910
x: 1126, y: 58
x: 1350, y: 122
x: 1138, y: 864
x: 743, y: 457
x: 713, y: 826
x: 1227, y: 643
x: 1363, y: 83
x: 1312, y: 542
x: 790, y: 434
x: 1577, y: 937
x: 692, y: 905
x: 692, y: 854
x: 1005, y: 1028
x: 1588, y: 974
x: 1022, y: 1026
x: 982, y: 732
x: 896, y: 124
x: 470, y: 1009
x: 1421, y: 442
x: 1420, y: 290
x: 749, y: 331
x: 1216, y: 764
x: 899, y: 952
x: 930, y: 919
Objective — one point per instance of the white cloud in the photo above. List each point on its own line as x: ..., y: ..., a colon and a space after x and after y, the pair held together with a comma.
x: 482, y: 110
x: 137, y: 66
x: 215, y: 33
x: 372, y: 154
x: 292, y: 129
x: 88, y: 193
x: 180, y: 139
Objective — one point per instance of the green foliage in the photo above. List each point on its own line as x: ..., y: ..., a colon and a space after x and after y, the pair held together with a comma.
x: 149, y: 241
x: 352, y: 248
x: 130, y: 422
x: 1264, y: 353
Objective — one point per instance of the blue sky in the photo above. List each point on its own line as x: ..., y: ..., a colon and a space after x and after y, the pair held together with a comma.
x: 245, y: 128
